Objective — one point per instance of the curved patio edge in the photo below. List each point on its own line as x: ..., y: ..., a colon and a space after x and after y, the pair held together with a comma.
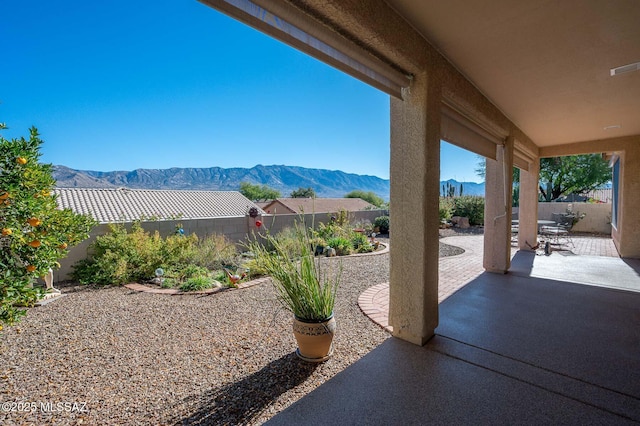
x: 374, y: 303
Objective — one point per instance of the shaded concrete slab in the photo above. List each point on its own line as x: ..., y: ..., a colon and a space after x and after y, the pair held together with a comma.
x: 588, y: 333
x: 508, y: 350
x: 612, y: 272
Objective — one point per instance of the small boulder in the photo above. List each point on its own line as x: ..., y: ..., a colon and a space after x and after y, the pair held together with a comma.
x: 460, y: 222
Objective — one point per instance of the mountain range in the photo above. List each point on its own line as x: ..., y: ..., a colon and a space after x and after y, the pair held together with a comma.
x: 325, y: 183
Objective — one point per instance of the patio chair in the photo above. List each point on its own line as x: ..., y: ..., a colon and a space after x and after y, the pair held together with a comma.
x: 558, y: 233
x: 514, y: 232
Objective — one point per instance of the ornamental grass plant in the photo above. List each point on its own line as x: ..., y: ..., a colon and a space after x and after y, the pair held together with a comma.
x: 306, y: 286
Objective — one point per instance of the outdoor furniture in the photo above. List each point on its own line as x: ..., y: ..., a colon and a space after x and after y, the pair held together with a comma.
x: 558, y: 231
x: 514, y: 230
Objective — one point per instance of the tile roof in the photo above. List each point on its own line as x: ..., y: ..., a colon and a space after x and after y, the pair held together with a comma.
x: 318, y: 205
x: 122, y: 204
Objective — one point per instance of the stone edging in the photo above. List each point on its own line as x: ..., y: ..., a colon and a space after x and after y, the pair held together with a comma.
x: 373, y: 253
x: 175, y: 292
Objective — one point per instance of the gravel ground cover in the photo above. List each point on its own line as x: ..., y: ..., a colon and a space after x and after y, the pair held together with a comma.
x: 114, y: 356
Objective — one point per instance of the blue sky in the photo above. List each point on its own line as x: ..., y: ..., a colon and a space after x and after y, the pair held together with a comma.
x: 121, y: 84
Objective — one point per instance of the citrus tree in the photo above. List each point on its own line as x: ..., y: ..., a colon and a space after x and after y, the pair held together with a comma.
x: 34, y: 233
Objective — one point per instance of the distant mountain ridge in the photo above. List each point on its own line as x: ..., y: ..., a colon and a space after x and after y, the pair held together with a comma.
x: 326, y: 183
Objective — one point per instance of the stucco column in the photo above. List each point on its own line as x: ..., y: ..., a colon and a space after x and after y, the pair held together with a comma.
x: 626, y: 233
x: 528, y: 212
x: 415, y: 176
x: 497, y: 209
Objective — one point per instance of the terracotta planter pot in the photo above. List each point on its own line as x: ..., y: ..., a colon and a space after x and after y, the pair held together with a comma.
x: 314, y: 338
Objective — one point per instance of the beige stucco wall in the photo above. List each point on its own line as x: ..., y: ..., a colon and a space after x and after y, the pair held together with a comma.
x: 597, y: 219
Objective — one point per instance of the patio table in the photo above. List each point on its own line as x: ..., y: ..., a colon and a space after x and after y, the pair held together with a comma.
x: 541, y: 223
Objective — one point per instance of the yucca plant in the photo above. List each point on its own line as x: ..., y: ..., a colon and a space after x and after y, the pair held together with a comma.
x: 303, y: 286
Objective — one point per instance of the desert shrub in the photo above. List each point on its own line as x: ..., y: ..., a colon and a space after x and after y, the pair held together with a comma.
x: 196, y: 284
x: 342, y: 218
x: 255, y: 269
x: 182, y: 273
x: 177, y: 276
x: 180, y: 250
x: 215, y: 251
x: 446, y: 208
x: 220, y: 276
x: 471, y: 206
x: 342, y: 245
x: 330, y: 230
x: 121, y: 256
x: 360, y: 243
x: 382, y: 222
x: 365, y: 224
x: 287, y: 242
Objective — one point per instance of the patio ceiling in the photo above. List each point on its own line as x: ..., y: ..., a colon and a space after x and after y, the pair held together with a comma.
x: 545, y: 64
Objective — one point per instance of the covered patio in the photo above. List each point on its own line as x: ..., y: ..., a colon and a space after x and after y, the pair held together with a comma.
x: 513, y: 82
x: 509, y: 349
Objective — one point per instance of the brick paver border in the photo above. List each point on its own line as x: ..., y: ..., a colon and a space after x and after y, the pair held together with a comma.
x: 454, y: 272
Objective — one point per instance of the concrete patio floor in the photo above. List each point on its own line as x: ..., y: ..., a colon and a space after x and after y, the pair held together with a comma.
x: 521, y: 348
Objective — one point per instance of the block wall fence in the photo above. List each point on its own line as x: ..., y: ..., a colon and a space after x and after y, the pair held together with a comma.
x: 597, y: 219
x: 236, y: 229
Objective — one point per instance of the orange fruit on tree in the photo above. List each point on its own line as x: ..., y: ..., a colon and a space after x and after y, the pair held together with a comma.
x: 31, y: 268
x: 63, y: 246
x: 4, y: 196
x: 21, y: 160
x: 34, y: 221
x: 7, y: 231
x: 35, y: 243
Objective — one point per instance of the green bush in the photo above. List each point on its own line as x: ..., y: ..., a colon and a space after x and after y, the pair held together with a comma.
x: 471, y: 206
x: 287, y: 241
x: 123, y: 256
x: 342, y: 245
x: 447, y: 205
x: 196, y: 284
x: 360, y: 243
x: 330, y: 230
x: 214, y: 252
x: 189, y: 271
x: 255, y: 269
x: 382, y: 222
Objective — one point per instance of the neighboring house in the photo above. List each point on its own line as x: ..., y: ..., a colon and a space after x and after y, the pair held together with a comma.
x: 126, y: 205
x: 263, y: 204
x: 316, y: 205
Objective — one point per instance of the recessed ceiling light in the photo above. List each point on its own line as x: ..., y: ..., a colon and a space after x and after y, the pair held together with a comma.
x: 615, y: 126
x: 625, y: 69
